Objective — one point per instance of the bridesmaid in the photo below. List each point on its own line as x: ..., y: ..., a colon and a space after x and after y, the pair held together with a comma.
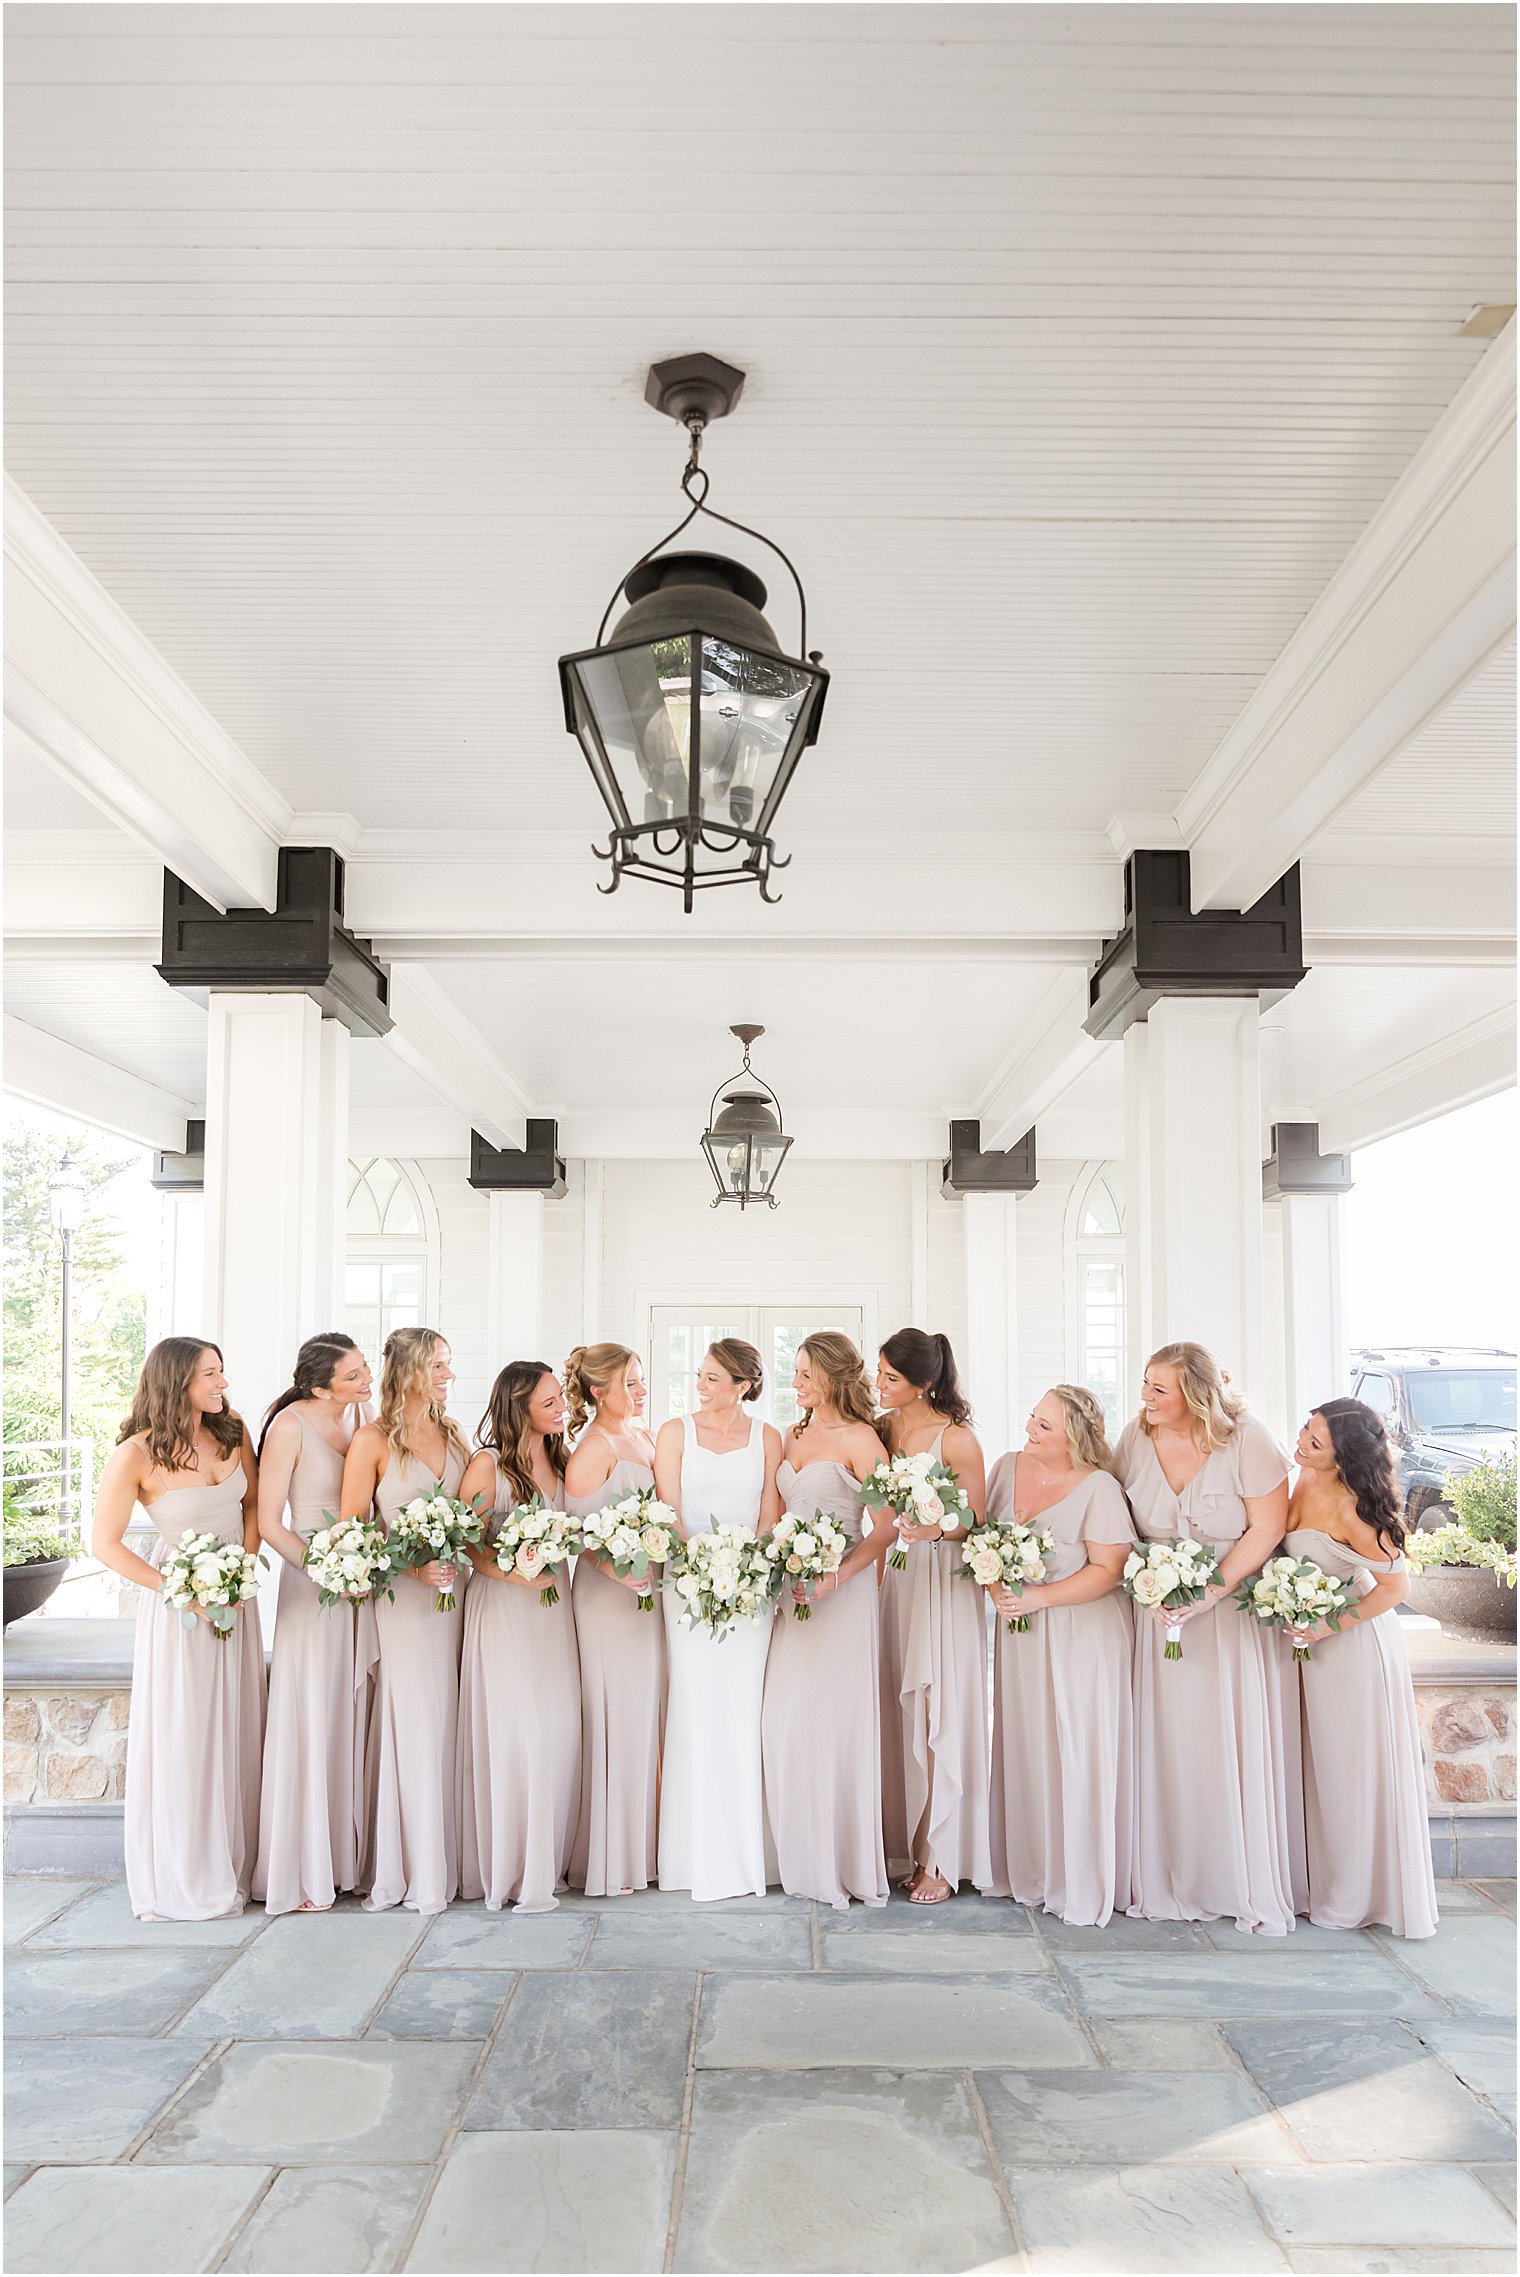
x: 933, y: 1642
x: 413, y: 1447
x: 313, y: 1793
x: 1062, y: 1756
x: 821, y: 1719
x: 196, y: 1726
x: 1367, y: 1831
x: 622, y: 1651
x: 520, y: 1679
x: 1213, y: 1784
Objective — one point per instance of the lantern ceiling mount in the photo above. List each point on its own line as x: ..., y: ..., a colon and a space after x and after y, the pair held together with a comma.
x: 690, y: 716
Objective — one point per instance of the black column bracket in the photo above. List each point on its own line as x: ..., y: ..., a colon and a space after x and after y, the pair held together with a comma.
x: 1296, y: 1166
x: 182, y: 1173
x: 1010, y: 1170
x: 1165, y: 949
x: 299, y: 948
x: 536, y: 1168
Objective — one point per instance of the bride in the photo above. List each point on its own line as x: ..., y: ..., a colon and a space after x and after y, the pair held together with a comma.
x: 716, y: 1468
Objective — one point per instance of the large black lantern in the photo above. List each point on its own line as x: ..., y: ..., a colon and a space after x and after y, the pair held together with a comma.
x: 744, y: 1142
x: 691, y: 718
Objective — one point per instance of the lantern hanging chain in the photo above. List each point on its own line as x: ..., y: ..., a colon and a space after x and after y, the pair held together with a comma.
x: 692, y: 474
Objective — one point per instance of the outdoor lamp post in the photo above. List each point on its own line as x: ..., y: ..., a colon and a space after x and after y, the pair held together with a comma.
x: 66, y: 1199
x: 691, y: 719
x: 744, y: 1143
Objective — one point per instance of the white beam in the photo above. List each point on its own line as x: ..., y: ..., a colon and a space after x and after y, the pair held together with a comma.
x: 1050, y: 1052
x: 52, y: 1073
x: 1454, y: 1071
x: 1426, y: 594
x: 443, y: 1047
x: 823, y: 1134
x: 94, y: 699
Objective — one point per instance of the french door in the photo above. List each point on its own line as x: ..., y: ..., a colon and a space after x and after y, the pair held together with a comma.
x: 680, y: 1334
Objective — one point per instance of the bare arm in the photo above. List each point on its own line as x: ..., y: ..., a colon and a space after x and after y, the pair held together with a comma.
x: 963, y: 1455
x: 480, y: 1480
x: 120, y: 1488
x: 667, y: 1468
x: 250, y: 1495
x: 587, y: 1472
x: 1103, y: 1571
x: 282, y: 1448
x: 1266, y: 1523
x: 770, y: 1493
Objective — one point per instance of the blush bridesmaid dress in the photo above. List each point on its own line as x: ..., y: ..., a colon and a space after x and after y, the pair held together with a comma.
x: 195, y: 1733
x: 624, y: 1681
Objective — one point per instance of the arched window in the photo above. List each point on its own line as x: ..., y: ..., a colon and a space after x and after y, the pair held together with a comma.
x: 392, y: 1252
x: 1095, y: 1247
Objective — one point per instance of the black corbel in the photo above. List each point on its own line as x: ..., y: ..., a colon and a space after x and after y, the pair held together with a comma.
x: 182, y: 1173
x: 534, y: 1169
x: 1010, y: 1170
x: 1296, y: 1166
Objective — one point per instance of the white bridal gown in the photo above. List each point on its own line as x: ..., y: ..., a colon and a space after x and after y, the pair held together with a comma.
x: 712, y: 1815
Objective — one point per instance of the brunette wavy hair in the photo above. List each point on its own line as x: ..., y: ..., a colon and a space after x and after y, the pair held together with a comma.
x: 742, y: 1362
x: 316, y: 1364
x: 161, y: 1413
x: 842, y: 1371
x: 927, y: 1361
x: 506, y: 1432
x: 1213, y: 1408
x: 589, y: 1369
x: 404, y: 1370
x: 1365, y: 1461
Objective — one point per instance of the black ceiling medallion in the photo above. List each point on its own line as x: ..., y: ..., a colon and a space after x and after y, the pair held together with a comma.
x: 745, y: 1143
x: 691, y: 719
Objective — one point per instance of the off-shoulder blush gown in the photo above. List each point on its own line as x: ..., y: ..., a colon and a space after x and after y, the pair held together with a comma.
x: 519, y: 1737
x: 313, y: 1795
x: 1062, y: 1722
x: 415, y: 1724
x: 1366, y: 1826
x: 623, y: 1686
x: 821, y: 1720
x: 934, y: 1759
x: 195, y: 1733
x: 1213, y: 1782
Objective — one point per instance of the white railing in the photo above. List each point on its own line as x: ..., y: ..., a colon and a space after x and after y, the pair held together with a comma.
x: 56, y: 1478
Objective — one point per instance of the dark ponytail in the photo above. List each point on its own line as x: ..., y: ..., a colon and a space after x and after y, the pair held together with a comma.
x: 316, y: 1365
x: 927, y: 1361
x: 1365, y: 1461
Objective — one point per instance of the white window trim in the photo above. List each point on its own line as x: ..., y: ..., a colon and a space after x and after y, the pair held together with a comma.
x: 1077, y: 1248
x: 367, y: 1248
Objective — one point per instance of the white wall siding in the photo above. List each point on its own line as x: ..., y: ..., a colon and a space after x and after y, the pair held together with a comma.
x: 461, y: 1301
x: 563, y: 1327
x: 1048, y: 1336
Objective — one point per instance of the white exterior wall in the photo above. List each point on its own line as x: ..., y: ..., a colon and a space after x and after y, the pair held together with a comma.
x: 461, y: 1303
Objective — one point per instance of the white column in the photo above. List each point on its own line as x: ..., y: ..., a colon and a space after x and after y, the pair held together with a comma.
x: 1314, y: 1321
x: 275, y: 1185
x: 515, y: 1303
x: 593, y: 1327
x: 918, y: 1206
x: 1200, y: 1179
x: 991, y: 1356
x: 1139, y: 1342
x: 178, y: 1300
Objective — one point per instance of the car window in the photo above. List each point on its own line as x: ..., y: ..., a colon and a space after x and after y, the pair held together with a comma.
x: 1463, y: 1399
x: 1377, y: 1391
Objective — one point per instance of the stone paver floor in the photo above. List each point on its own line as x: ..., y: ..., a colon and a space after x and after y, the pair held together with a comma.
x: 642, y: 2084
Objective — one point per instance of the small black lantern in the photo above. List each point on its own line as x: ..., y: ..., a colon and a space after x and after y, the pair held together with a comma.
x: 691, y: 718
x: 744, y: 1143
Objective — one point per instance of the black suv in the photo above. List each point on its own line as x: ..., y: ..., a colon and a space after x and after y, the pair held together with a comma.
x: 1447, y: 1410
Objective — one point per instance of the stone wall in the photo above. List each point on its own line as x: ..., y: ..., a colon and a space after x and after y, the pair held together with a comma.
x: 65, y: 1747
x: 1468, y: 1737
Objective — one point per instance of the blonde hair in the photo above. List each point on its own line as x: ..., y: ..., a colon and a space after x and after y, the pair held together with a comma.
x: 409, y: 1354
x: 589, y: 1369
x: 1214, y: 1408
x: 1086, y: 1428
x: 842, y: 1371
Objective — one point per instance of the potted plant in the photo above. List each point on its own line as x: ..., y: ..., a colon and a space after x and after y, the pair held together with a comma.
x: 36, y: 1557
x: 1464, y: 1573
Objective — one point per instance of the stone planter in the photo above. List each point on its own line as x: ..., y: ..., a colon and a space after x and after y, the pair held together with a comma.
x: 1466, y: 1600
x: 28, y: 1586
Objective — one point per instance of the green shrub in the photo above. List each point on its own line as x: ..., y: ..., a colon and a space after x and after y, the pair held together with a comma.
x: 1457, y: 1545
x: 31, y: 1535
x: 1484, y: 1500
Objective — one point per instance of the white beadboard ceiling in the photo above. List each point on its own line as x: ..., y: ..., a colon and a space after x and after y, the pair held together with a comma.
x: 1082, y: 343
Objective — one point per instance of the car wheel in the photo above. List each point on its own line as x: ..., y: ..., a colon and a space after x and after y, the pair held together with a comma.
x: 1426, y: 1510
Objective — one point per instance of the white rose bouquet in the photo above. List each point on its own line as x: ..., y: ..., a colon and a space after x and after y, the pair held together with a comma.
x: 803, y: 1550
x: 634, y: 1534
x: 349, y: 1558
x: 916, y: 1487
x: 1169, y: 1576
x: 1293, y: 1593
x: 723, y: 1576
x: 535, y: 1538
x: 1012, y: 1555
x: 440, y: 1526
x: 209, y: 1575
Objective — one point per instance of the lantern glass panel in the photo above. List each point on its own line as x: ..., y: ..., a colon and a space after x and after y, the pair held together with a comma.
x: 633, y: 718
x: 753, y: 708
x: 766, y: 1160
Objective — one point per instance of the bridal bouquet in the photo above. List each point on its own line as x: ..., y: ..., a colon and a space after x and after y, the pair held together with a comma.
x: 633, y: 1534
x: 1170, y: 1575
x: 723, y: 1576
x: 803, y: 1550
x: 349, y: 1558
x: 436, y: 1525
x: 1292, y: 1593
x: 916, y: 1487
x: 210, y: 1575
x: 533, y: 1539
x: 1011, y: 1554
